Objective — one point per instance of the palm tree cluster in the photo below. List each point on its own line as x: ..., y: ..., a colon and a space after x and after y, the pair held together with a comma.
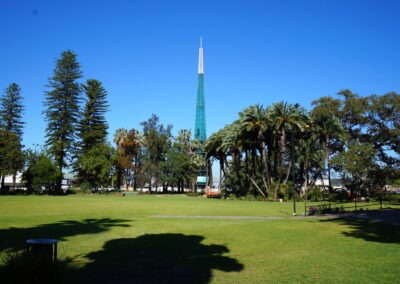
x: 282, y: 149
x: 259, y: 151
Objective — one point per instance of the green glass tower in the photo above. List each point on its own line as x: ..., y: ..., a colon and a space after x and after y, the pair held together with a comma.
x: 200, y: 125
x: 204, y: 178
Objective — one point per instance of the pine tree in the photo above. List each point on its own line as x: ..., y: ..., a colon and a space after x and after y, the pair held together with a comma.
x: 11, y: 110
x: 62, y: 113
x: 11, y: 125
x: 92, y: 128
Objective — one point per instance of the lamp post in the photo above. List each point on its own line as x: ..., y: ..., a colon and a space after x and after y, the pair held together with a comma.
x: 294, y: 199
x: 294, y: 175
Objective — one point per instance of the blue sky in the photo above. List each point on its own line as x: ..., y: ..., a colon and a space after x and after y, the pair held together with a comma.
x: 145, y: 53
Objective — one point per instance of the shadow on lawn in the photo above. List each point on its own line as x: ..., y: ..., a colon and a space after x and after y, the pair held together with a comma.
x: 156, y: 258
x: 369, y: 230
x: 14, y: 238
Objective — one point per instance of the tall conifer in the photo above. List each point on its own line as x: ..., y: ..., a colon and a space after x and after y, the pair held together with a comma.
x: 92, y: 127
x: 11, y: 110
x: 62, y: 113
x: 11, y: 125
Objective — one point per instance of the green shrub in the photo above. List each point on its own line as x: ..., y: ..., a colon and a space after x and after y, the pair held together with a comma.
x: 225, y: 194
x: 284, y: 191
x: 251, y: 197
x: 85, y: 187
x: 393, y: 199
x: 314, y: 193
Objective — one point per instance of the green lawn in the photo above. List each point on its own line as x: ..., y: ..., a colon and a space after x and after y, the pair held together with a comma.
x: 162, y: 239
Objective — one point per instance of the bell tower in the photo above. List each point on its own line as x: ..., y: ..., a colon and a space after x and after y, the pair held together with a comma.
x: 200, y: 126
x: 204, y: 177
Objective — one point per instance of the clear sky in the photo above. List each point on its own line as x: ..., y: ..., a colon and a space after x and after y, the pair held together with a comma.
x: 145, y: 53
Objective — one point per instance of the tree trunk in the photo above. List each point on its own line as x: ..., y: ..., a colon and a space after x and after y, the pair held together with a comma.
x: 326, y: 152
x: 265, y: 167
x: 57, y: 189
x: 276, y: 188
x: 2, y: 189
x: 150, y: 186
x: 329, y: 178
x: 288, y: 173
x: 210, y: 173
x: 255, y: 184
x: 2, y: 182
x: 305, y: 185
x: 14, y: 181
x: 265, y: 184
x: 134, y: 180
x: 282, y: 144
x: 220, y: 178
x: 119, y: 177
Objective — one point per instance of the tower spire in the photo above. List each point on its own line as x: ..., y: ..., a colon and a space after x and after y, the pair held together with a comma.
x: 201, y: 64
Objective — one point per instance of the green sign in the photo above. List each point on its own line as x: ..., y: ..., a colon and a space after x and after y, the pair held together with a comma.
x: 201, y: 179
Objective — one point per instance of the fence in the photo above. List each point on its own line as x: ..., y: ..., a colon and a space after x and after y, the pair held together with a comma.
x: 337, y: 208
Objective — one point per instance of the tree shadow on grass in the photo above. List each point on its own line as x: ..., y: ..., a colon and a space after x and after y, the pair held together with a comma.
x: 369, y: 230
x: 14, y: 238
x: 156, y: 258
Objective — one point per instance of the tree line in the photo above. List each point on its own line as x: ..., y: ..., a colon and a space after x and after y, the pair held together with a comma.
x: 76, y: 140
x: 274, y: 151
x: 282, y: 150
x: 155, y: 159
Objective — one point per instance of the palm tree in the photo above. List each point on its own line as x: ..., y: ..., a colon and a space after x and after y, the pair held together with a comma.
x: 256, y: 125
x: 226, y: 143
x: 234, y: 144
x: 286, y: 117
x: 184, y: 136
x: 212, y: 149
x: 138, y: 141
x: 192, y: 149
x: 309, y: 155
x: 183, y: 139
x: 119, y: 136
x: 327, y: 128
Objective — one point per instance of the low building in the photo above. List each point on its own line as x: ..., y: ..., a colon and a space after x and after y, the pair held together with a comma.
x: 9, y: 181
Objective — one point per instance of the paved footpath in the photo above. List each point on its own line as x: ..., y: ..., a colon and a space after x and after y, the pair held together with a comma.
x: 391, y: 216
x: 218, y: 217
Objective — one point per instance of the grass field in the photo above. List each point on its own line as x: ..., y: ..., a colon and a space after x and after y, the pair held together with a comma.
x: 179, y: 239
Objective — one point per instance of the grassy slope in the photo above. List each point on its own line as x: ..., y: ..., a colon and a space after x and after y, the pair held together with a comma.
x: 113, y: 236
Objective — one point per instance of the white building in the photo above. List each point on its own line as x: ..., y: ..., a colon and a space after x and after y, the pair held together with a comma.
x: 9, y: 180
